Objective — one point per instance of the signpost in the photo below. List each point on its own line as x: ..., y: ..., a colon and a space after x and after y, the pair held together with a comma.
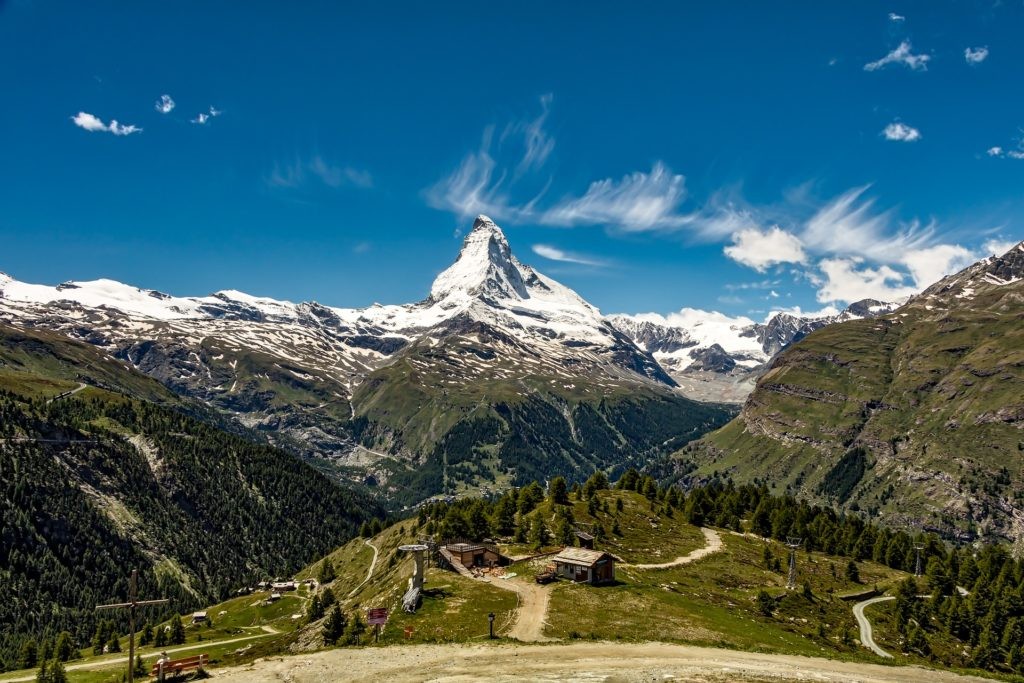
x: 490, y: 625
x: 377, y: 617
x: 131, y: 605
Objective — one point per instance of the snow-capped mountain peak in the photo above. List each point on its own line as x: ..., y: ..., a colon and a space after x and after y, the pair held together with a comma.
x: 485, y: 266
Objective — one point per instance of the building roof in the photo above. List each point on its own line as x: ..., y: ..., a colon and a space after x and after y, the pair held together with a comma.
x: 199, y: 615
x: 463, y: 547
x: 583, y: 535
x: 580, y: 556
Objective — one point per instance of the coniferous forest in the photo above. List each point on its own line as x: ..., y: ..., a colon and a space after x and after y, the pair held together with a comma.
x: 91, y: 488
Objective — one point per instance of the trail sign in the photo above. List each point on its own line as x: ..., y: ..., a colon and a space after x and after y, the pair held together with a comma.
x: 377, y: 616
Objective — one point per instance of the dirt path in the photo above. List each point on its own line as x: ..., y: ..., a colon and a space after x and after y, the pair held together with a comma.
x: 109, y: 663
x: 532, y: 612
x: 81, y: 385
x: 570, y: 662
x: 369, y: 572
x: 867, y: 639
x: 714, y: 545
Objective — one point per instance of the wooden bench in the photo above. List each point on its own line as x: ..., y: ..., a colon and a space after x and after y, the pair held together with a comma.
x: 176, y: 667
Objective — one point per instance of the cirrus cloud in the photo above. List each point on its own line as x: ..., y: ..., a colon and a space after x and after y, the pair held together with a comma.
x: 555, y: 254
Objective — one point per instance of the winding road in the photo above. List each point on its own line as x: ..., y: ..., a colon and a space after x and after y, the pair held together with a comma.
x: 714, y: 545
x: 866, y: 637
x: 81, y: 385
x: 369, y: 572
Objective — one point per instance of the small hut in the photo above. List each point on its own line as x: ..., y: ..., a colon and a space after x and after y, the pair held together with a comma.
x: 585, y: 566
x: 584, y: 540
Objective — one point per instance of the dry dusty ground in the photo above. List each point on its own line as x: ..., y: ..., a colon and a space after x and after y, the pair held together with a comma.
x: 573, y: 662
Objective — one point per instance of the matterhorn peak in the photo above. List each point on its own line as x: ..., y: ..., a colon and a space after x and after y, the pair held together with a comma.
x: 485, y: 266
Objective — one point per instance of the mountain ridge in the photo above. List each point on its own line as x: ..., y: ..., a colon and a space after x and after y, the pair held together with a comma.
x: 915, y: 416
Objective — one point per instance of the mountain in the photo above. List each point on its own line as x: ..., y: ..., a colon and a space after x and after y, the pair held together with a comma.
x: 713, y: 356
x: 916, y: 416
x: 500, y: 375
x: 121, y: 473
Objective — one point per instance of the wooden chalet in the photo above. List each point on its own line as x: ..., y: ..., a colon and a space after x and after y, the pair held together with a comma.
x: 472, y: 555
x: 585, y: 566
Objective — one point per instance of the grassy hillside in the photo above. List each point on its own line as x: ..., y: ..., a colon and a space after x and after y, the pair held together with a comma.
x: 915, y: 417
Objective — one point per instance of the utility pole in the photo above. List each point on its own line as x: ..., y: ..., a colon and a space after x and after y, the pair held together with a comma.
x: 918, y: 549
x: 793, y: 543
x: 132, y: 603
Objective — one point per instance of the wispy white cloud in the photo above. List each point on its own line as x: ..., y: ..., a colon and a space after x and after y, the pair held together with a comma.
x: 538, y: 144
x: 850, y: 225
x: 904, y: 55
x: 94, y: 124
x: 762, y: 284
x: 896, y: 17
x: 760, y: 249
x: 300, y: 171
x: 164, y: 105
x: 901, y: 132
x: 202, y: 117
x: 483, y: 181
x: 976, y: 55
x: 638, y: 202
x: 555, y: 254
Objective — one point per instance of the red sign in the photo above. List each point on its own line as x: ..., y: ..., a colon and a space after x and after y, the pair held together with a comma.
x: 378, y: 616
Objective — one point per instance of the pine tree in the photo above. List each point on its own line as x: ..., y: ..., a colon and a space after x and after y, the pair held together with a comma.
x: 114, y: 644
x: 315, y: 610
x: 326, y: 573
x: 57, y: 673
x: 557, y: 491
x: 28, y: 657
x: 147, y: 634
x: 354, y: 630
x: 563, y: 531
x: 140, y: 667
x: 538, y: 533
x: 335, y: 625
x: 852, y: 572
x: 765, y: 603
x: 64, y: 647
x: 43, y: 675
x: 160, y: 639
x: 177, y: 636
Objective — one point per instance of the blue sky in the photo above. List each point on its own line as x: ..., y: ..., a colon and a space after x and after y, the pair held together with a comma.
x: 736, y: 157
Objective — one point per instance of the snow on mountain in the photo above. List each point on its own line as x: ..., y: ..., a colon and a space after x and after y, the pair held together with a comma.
x: 715, y: 356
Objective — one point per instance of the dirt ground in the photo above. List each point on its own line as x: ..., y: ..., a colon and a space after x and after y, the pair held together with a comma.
x: 571, y: 662
x: 531, y: 615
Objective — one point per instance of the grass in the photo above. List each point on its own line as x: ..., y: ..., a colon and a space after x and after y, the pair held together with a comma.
x: 712, y: 602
